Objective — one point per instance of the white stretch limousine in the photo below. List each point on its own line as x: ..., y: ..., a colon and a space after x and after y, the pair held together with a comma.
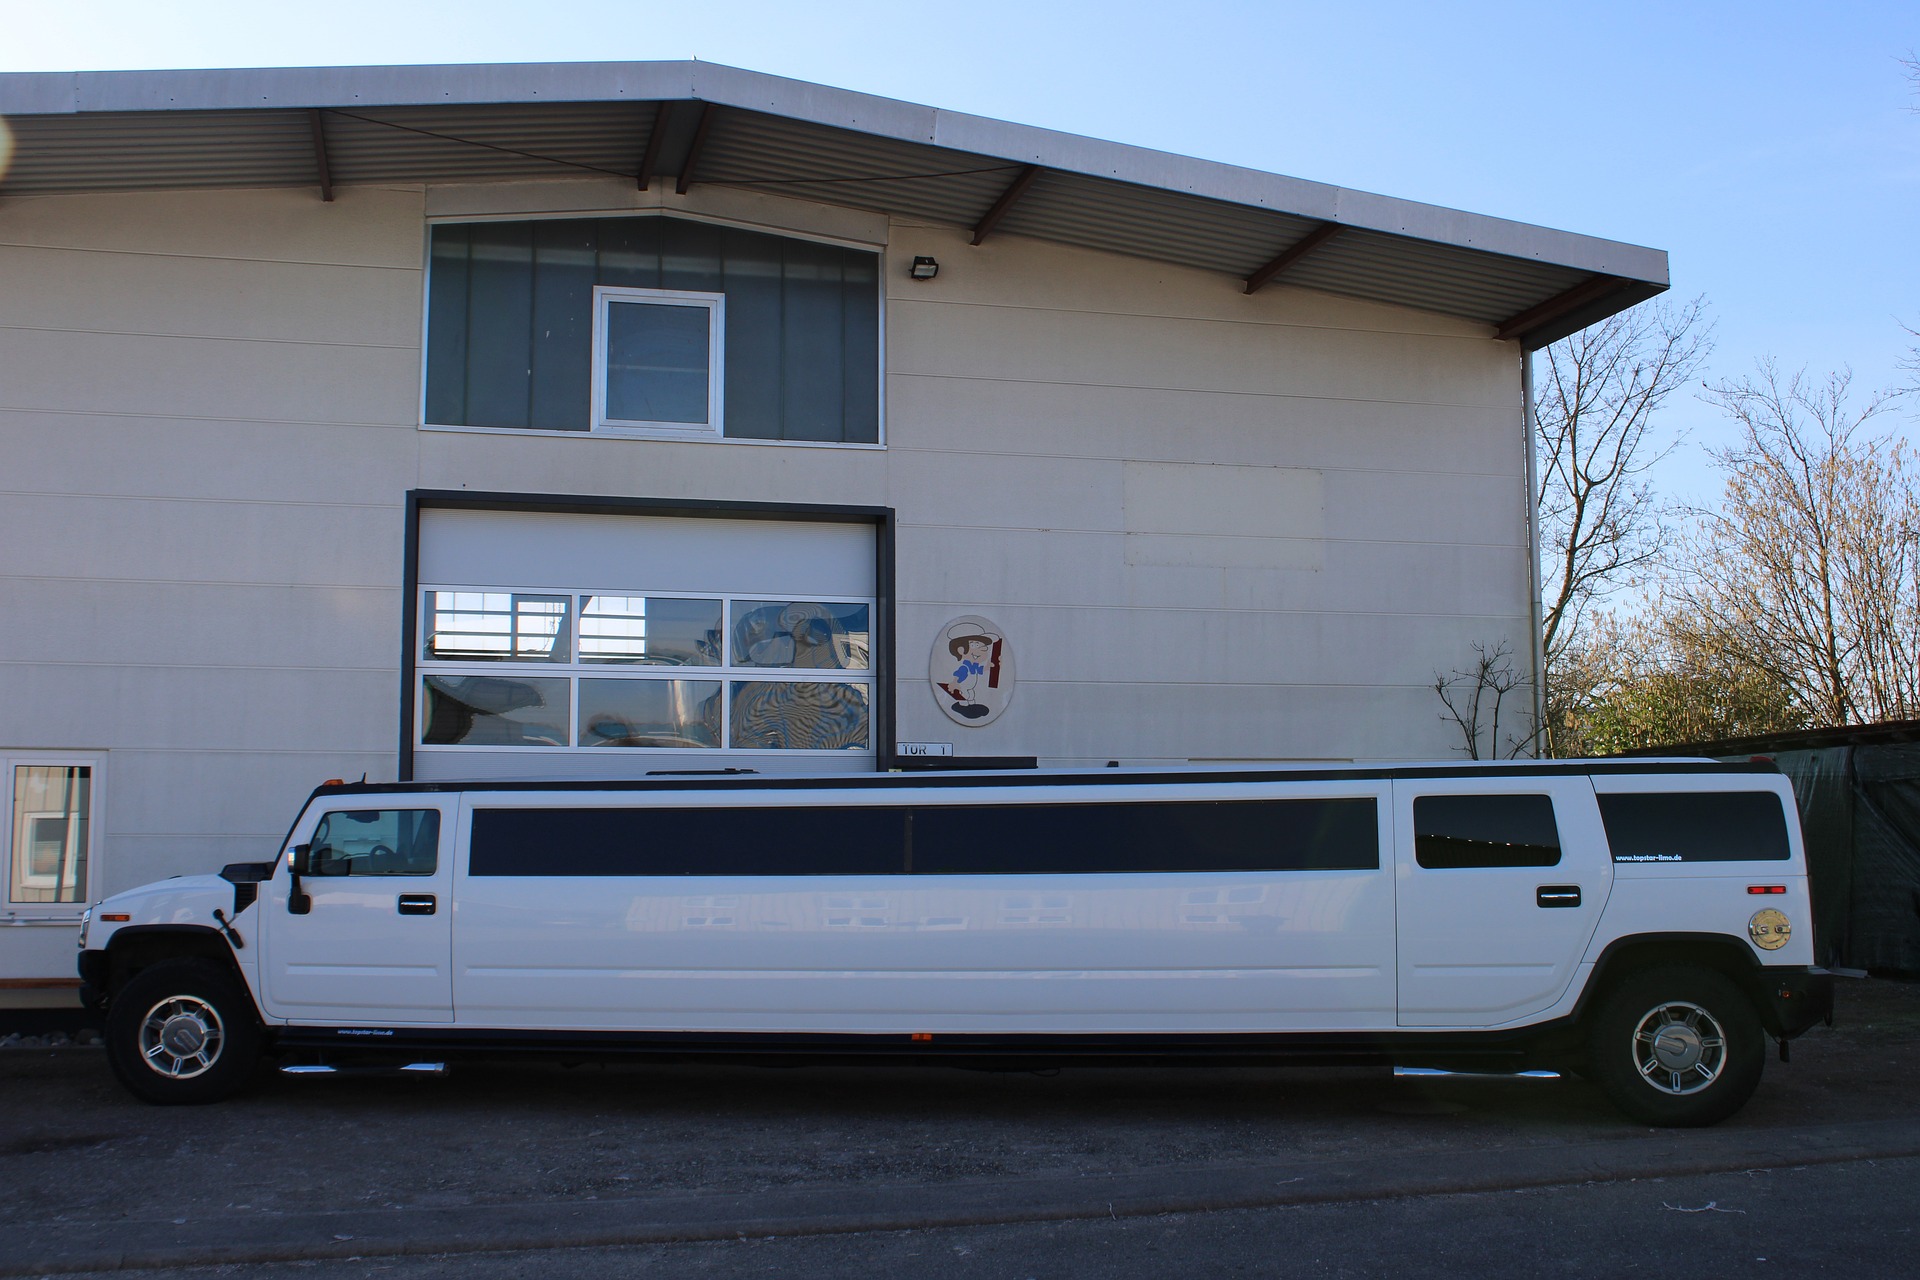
x: 1645, y: 923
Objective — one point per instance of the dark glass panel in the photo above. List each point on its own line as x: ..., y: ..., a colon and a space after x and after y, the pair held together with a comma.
x: 658, y: 362
x: 687, y: 842
x: 860, y: 310
x: 1696, y: 826
x: 1485, y: 831
x: 447, y: 334
x: 1241, y: 835
x: 563, y: 278
x: 505, y: 345
x: 812, y: 344
x: 629, y: 252
x: 752, y: 285
x: 690, y: 255
x: 500, y: 324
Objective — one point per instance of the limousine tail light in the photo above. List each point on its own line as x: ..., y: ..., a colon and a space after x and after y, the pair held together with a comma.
x: 1766, y: 888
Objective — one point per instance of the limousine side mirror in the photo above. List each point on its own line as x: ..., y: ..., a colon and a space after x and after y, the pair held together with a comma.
x: 299, y: 863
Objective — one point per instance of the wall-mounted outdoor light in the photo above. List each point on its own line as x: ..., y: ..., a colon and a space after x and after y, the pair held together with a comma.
x: 924, y: 269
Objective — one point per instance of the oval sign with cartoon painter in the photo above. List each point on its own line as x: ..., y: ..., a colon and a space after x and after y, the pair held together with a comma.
x: 971, y: 670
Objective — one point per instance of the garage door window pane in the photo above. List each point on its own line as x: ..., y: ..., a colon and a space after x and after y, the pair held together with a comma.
x: 495, y: 711
x: 801, y: 634
x: 650, y: 713
x: 652, y: 630
x: 799, y: 715
x: 497, y: 626
x: 50, y: 810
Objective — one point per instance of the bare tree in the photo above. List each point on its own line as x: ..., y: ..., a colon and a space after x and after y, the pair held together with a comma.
x: 1810, y: 569
x: 1602, y: 527
x: 1473, y: 699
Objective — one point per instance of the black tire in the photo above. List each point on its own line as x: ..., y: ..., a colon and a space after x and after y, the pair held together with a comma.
x: 182, y: 1032
x: 1678, y: 1047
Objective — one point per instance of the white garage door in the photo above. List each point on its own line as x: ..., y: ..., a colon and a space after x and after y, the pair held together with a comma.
x: 609, y: 645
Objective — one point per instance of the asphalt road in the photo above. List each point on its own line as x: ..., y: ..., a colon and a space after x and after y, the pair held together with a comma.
x: 735, y: 1170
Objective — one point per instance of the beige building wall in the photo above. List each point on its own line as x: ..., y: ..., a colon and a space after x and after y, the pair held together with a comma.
x: 1213, y: 526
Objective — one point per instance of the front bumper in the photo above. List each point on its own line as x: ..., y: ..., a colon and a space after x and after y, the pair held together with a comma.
x: 94, y: 974
x: 1792, y: 1000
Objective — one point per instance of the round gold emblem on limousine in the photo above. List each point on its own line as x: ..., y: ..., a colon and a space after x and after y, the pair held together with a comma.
x: 1769, y: 929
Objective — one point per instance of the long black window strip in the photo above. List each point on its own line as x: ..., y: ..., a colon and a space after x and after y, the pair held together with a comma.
x: 1257, y: 835
x: 1695, y: 826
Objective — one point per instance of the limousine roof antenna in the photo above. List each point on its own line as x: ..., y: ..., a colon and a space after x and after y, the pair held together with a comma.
x: 694, y: 773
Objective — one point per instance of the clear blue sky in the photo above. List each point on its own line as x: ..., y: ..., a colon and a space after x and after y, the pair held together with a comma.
x: 1771, y: 148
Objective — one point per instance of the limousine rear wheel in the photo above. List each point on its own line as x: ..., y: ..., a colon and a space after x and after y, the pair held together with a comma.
x: 182, y: 1031
x: 1679, y: 1047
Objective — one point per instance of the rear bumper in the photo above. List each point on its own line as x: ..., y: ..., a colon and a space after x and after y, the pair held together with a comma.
x: 1792, y: 1000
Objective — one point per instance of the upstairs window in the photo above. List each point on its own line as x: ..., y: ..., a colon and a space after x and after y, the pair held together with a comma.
x: 652, y: 326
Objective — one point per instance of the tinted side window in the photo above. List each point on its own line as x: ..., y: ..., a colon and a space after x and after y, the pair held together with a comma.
x: 793, y: 841
x: 376, y: 842
x: 1283, y: 835
x: 1252, y: 835
x: 1485, y: 831
x: 1695, y: 826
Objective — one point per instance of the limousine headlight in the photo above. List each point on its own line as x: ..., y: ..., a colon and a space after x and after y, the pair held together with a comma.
x: 1769, y: 929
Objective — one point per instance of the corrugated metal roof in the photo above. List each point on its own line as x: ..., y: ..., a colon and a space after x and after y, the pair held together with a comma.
x: 124, y: 131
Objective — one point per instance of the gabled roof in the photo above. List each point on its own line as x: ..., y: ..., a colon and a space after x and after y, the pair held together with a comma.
x: 698, y: 122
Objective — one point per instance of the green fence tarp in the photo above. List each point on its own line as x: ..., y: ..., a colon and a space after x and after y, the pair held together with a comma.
x: 1860, y: 811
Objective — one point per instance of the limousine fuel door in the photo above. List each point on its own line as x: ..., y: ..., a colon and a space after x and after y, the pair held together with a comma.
x: 1498, y: 887
x: 373, y: 940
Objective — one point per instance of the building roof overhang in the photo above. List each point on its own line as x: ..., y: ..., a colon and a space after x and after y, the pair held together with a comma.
x: 698, y: 122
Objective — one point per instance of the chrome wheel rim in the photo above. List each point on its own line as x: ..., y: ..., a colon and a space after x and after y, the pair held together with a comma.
x: 181, y: 1037
x: 1679, y: 1048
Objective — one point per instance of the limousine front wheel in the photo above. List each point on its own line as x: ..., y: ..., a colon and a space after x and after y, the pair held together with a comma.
x: 1679, y: 1047
x: 182, y: 1031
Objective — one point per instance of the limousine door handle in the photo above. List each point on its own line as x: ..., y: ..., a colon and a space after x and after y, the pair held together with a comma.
x: 422, y: 904
x: 1558, y: 895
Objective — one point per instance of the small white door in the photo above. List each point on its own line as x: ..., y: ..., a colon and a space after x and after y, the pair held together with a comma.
x: 1499, y: 883
x: 374, y: 941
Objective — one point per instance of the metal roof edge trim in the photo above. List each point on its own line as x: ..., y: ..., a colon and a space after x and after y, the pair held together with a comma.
x: 282, y: 88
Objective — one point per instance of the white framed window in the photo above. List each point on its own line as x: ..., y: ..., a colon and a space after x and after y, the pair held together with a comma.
x: 532, y: 669
x: 658, y: 360
x: 48, y: 802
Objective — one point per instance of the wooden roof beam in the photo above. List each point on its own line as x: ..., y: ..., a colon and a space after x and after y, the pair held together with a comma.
x: 1588, y: 290
x: 1297, y: 250
x: 693, y: 149
x: 650, y: 157
x: 1008, y: 198
x: 322, y: 169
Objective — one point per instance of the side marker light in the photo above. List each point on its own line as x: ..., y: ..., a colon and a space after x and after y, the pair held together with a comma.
x: 1766, y: 888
